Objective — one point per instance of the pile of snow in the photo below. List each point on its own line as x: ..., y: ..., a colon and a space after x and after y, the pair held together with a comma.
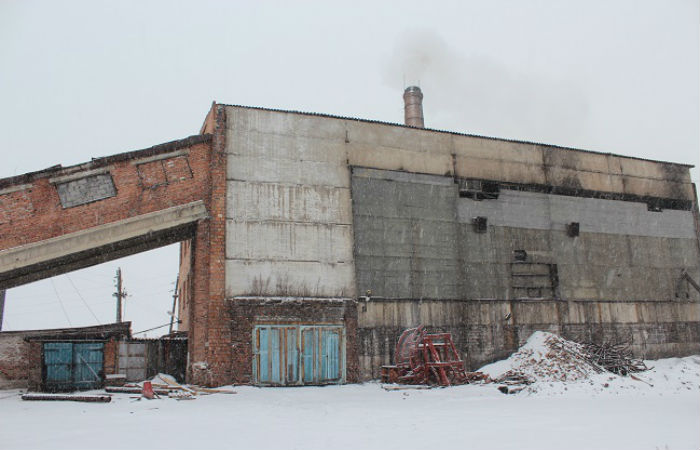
x: 544, y: 357
x: 550, y: 365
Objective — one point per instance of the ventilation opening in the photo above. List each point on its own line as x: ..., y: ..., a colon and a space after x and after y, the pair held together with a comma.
x: 480, y: 224
x: 478, y: 189
x: 572, y: 229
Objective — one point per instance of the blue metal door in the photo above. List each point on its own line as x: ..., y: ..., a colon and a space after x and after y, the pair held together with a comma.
x: 330, y: 355
x: 276, y: 355
x: 58, y: 359
x: 87, y: 365
x: 298, y: 354
x: 71, y: 366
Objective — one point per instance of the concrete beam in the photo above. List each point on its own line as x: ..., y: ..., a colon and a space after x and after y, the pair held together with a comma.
x: 137, y: 233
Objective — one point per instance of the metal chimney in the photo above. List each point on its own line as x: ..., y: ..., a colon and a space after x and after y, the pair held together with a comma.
x: 413, y: 107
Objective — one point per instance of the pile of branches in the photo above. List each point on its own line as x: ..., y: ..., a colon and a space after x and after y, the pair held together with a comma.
x: 616, y: 358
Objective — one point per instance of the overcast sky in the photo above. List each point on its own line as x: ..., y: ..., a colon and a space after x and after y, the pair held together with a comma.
x: 87, y: 79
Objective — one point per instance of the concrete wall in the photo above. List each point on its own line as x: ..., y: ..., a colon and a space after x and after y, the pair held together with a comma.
x: 414, y: 238
x: 289, y: 212
x: 288, y: 215
x: 321, y: 207
x: 488, y: 330
x: 420, y: 256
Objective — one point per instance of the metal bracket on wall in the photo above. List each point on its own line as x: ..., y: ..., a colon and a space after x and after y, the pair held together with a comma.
x: 687, y: 277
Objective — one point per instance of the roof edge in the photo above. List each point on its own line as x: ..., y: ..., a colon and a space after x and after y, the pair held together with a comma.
x: 455, y: 133
x: 106, y: 160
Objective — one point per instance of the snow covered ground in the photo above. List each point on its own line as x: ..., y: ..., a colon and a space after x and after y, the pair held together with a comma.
x: 661, y: 412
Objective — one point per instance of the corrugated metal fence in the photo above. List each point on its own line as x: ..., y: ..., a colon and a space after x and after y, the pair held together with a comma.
x: 144, y: 358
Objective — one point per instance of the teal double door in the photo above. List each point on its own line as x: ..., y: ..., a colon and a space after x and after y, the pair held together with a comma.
x: 285, y: 355
x: 72, y: 366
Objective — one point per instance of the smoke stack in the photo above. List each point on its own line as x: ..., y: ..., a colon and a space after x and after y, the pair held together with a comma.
x: 413, y: 107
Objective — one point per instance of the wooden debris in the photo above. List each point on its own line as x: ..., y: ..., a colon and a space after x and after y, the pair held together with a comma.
x: 205, y: 390
x: 639, y: 379
x: 406, y: 387
x: 510, y: 390
x: 615, y: 358
x: 68, y: 397
x: 133, y: 390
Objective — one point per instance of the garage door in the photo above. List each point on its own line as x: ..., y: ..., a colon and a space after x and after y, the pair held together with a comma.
x: 72, y: 366
x: 286, y: 355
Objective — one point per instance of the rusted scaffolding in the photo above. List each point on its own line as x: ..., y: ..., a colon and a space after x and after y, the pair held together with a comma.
x: 425, y: 358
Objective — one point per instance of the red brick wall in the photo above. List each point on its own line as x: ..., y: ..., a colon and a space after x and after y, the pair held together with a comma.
x: 209, y: 336
x: 35, y: 213
x: 35, y: 363
x: 245, y: 314
x: 110, y: 356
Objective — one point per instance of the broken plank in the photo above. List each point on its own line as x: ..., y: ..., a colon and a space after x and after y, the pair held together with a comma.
x: 200, y: 389
x: 406, y: 387
x: 69, y: 398
x: 133, y: 390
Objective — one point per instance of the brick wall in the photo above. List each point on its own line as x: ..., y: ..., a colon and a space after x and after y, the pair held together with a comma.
x: 209, y: 334
x: 14, y: 365
x: 245, y: 313
x: 57, y: 201
x: 42, y: 205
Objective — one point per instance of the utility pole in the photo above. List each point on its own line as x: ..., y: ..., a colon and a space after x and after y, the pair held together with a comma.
x: 172, y: 315
x: 120, y: 294
x: 2, y: 306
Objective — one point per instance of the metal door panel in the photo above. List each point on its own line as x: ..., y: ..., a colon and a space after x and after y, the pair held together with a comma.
x: 298, y: 354
x: 71, y: 366
x: 308, y: 347
x: 132, y: 360
x: 58, y: 359
x: 330, y: 355
x: 264, y: 366
x: 275, y: 356
x: 87, y: 365
x: 292, y: 356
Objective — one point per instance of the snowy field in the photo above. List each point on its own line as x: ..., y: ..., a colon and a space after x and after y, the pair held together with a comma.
x: 661, y: 410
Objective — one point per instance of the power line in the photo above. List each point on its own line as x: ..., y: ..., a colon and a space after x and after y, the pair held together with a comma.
x: 154, y: 328
x: 81, y: 298
x: 60, y: 302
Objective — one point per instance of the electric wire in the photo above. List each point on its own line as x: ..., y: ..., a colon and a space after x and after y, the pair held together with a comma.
x: 60, y: 302
x: 151, y: 329
x: 81, y: 298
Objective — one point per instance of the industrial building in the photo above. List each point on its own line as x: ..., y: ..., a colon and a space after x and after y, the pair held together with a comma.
x: 310, y: 241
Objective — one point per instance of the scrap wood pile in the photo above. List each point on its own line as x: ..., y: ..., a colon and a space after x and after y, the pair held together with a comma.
x: 546, y: 357
x: 615, y: 358
x: 163, y: 385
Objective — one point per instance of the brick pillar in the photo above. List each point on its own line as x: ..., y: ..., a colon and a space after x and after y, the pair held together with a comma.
x: 210, y: 337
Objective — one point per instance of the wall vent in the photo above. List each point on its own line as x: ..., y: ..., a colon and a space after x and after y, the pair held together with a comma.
x: 480, y: 224
x: 572, y: 229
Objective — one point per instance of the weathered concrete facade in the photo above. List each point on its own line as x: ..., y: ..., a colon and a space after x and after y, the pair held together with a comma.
x: 304, y: 232
x: 321, y: 208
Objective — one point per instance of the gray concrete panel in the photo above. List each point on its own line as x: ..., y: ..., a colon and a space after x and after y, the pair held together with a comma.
x: 552, y: 212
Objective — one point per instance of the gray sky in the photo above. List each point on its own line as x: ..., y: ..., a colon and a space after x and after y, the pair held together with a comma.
x: 86, y: 79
